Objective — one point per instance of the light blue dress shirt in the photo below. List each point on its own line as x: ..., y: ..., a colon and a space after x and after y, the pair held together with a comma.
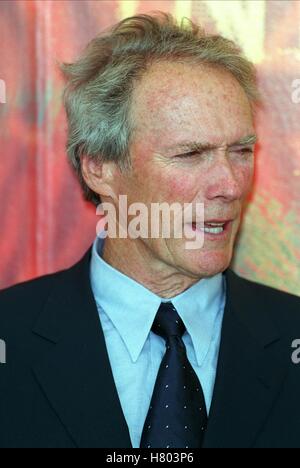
x: 127, y: 310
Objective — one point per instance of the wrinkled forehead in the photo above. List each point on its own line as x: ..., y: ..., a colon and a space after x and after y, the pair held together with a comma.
x: 182, y: 99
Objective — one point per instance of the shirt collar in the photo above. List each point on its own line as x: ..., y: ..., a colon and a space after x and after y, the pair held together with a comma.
x: 132, y: 307
x: 199, y: 307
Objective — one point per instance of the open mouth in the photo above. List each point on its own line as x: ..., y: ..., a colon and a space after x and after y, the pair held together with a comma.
x: 211, y: 227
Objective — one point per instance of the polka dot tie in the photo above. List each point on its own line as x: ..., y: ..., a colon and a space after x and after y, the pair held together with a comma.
x: 177, y: 415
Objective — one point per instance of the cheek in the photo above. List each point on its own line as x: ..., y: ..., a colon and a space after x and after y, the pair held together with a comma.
x: 180, y: 188
x: 166, y: 185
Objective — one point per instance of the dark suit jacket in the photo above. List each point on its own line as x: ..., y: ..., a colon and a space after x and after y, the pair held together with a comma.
x: 57, y: 387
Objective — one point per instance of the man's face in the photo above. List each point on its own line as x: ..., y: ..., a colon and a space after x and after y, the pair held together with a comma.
x: 177, y: 103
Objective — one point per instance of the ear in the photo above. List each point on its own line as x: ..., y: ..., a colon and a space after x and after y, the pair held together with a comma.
x: 101, y: 177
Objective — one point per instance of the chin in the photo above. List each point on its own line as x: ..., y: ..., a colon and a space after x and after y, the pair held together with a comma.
x: 209, y: 264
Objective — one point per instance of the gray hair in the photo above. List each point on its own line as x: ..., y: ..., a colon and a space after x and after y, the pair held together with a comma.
x: 98, y: 92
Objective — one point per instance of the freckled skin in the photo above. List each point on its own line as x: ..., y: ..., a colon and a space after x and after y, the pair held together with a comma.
x: 175, y: 102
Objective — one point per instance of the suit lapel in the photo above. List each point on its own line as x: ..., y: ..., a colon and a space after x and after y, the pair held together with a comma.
x: 250, y: 369
x: 74, y: 370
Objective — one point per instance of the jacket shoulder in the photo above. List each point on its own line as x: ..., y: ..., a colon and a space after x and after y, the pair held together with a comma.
x: 282, y: 306
x: 20, y: 304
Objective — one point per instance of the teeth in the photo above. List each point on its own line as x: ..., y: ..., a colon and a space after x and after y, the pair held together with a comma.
x: 216, y: 230
x: 211, y: 228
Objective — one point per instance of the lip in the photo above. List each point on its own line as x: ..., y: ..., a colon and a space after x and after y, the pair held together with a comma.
x: 222, y: 236
x: 218, y: 220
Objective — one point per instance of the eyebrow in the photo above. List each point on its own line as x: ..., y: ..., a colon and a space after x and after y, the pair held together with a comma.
x: 200, y: 146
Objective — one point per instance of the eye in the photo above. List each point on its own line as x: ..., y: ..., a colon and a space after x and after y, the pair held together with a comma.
x: 244, y: 151
x: 188, y: 155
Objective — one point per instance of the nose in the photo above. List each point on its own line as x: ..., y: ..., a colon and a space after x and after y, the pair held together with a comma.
x: 224, y: 181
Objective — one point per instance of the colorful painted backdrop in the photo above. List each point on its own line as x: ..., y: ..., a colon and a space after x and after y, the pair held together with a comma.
x: 45, y: 224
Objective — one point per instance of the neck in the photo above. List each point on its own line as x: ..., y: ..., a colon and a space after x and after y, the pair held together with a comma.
x: 134, y: 259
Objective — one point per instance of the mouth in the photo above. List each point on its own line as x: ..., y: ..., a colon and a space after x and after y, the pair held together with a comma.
x: 212, y: 226
x: 214, y: 229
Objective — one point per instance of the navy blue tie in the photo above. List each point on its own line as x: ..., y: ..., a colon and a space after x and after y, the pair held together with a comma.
x: 177, y: 416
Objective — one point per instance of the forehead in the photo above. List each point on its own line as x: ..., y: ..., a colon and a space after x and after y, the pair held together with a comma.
x: 177, y: 101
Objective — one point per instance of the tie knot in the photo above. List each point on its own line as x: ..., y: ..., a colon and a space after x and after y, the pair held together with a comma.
x: 167, y: 322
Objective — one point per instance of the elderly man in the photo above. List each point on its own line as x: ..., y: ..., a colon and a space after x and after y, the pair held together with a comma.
x: 145, y: 342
